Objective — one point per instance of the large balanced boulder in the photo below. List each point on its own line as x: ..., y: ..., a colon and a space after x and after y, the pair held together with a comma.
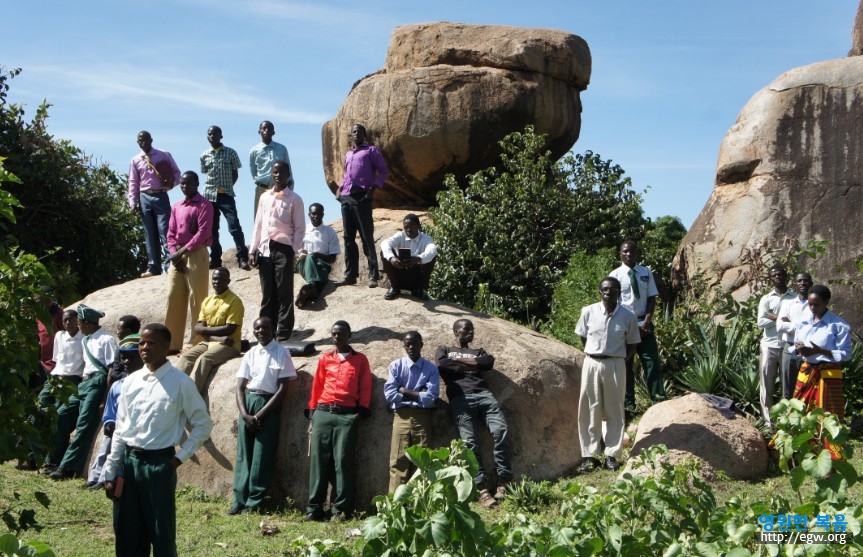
x: 449, y: 92
x: 692, y: 428
x: 790, y: 169
x: 536, y: 380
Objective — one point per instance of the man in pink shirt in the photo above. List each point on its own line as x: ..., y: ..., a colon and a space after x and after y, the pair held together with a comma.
x: 152, y: 174
x: 279, y: 228
x: 189, y: 236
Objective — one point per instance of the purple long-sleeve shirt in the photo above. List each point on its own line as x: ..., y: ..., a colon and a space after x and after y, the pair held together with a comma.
x: 365, y: 168
x: 191, y: 224
x: 142, y: 177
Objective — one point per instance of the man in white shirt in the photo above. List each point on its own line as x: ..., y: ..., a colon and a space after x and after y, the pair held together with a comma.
x: 262, y: 383
x: 609, y: 333
x: 771, y: 342
x: 315, y: 259
x: 408, y: 259
x: 792, y: 313
x: 156, y: 404
x: 638, y: 294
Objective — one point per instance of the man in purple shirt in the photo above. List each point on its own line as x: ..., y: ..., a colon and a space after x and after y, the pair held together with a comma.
x: 152, y: 173
x: 365, y: 170
x: 189, y: 236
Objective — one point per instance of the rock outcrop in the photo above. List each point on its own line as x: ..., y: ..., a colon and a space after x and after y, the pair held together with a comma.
x: 536, y: 380
x: 791, y: 168
x: 692, y: 428
x: 449, y: 92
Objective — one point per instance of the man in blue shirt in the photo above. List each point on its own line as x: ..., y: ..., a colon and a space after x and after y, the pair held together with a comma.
x: 261, y: 159
x: 411, y: 391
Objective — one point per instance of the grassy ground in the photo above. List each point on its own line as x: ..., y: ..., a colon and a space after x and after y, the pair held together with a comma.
x: 78, y: 522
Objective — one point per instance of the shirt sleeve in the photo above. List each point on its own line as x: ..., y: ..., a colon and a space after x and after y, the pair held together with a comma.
x: 842, y: 333
x: 134, y: 186
x: 429, y: 397
x: 785, y: 327
x: 763, y: 308
x: 253, y: 167
x: 391, y: 386
x: 633, y: 336
x: 205, y: 227
x: 257, y: 228
x: 235, y: 160
x: 236, y: 312
x: 288, y: 369
x: 200, y: 424
x: 484, y: 360
x: 333, y: 248
x: 172, y: 232
x: 299, y: 222
x: 174, y: 168
x: 244, y: 371
x: 581, y: 325
x: 387, y: 246
x: 380, y: 166
x: 118, y: 446
x: 429, y: 252
x: 652, y: 290
x: 365, y: 384
x: 318, y: 383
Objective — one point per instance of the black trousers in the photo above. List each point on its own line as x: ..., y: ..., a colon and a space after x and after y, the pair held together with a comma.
x: 357, y: 217
x: 413, y: 279
x: 277, y: 288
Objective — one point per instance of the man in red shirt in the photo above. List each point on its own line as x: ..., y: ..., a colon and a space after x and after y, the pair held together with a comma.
x: 342, y: 390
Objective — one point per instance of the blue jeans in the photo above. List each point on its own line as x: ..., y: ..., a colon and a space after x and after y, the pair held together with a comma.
x: 155, y: 213
x: 466, y: 412
x: 226, y: 205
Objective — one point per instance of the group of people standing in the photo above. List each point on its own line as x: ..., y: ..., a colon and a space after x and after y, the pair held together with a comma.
x: 804, y: 344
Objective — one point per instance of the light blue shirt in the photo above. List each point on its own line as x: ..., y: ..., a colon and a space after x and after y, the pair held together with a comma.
x: 112, y: 401
x: 830, y: 332
x: 261, y: 159
x: 406, y: 373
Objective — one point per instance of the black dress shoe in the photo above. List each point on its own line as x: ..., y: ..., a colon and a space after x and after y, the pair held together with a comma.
x: 236, y: 509
x: 214, y: 265
x: 611, y: 463
x: 391, y: 294
x: 62, y: 474
x: 88, y: 485
x: 421, y: 295
x: 346, y: 282
x: 97, y: 486
x: 314, y: 516
x: 244, y: 264
x: 587, y: 465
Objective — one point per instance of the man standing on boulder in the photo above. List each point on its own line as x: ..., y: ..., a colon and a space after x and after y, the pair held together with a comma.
x: 152, y: 173
x: 609, y: 334
x: 220, y: 166
x: 638, y: 294
x: 771, y: 341
x: 365, y: 170
x: 261, y: 160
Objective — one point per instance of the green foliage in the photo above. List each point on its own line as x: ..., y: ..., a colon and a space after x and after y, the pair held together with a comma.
x: 528, y: 496
x: 430, y: 514
x: 13, y: 547
x: 67, y: 201
x: 578, y: 288
x: 660, y: 243
x: 508, y: 235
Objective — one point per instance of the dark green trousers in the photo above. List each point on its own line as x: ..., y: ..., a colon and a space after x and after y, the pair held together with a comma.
x: 648, y: 355
x: 256, y: 455
x: 81, y: 414
x: 146, y: 513
x: 334, y: 441
x: 48, y: 420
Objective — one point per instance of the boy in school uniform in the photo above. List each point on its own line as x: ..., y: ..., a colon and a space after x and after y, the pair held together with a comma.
x: 261, y: 386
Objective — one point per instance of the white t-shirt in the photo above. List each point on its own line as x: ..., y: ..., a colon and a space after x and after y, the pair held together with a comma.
x: 263, y: 366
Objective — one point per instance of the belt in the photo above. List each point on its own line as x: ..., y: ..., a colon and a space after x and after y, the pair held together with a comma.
x: 88, y: 376
x: 153, y: 192
x: 412, y: 408
x: 145, y: 453
x: 640, y: 317
x: 599, y: 356
x: 336, y: 409
x: 259, y: 392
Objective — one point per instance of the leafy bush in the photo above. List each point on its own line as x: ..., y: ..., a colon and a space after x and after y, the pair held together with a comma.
x: 509, y: 234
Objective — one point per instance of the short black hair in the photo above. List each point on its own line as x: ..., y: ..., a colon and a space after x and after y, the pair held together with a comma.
x: 821, y: 291
x: 193, y: 174
x: 460, y: 322
x: 342, y: 323
x: 412, y: 334
x: 316, y: 205
x: 778, y: 267
x: 221, y: 270
x: 131, y: 322
x: 610, y: 279
x: 70, y: 313
x: 160, y: 330
x: 410, y: 217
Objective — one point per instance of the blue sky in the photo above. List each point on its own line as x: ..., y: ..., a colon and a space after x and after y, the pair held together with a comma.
x: 669, y: 77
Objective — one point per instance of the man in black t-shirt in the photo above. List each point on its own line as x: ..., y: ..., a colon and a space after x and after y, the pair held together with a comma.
x: 471, y: 401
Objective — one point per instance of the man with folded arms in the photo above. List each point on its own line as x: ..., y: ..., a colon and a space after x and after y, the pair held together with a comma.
x: 152, y: 174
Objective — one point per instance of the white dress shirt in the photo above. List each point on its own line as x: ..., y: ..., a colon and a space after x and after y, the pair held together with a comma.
x: 421, y: 246
x: 263, y: 366
x: 68, y: 354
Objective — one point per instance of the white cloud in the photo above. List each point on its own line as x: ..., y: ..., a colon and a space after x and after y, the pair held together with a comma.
x: 206, y: 90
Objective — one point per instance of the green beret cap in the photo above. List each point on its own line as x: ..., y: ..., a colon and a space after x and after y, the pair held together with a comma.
x: 86, y: 313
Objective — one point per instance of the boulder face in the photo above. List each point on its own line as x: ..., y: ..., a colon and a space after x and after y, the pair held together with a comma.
x: 691, y: 427
x: 791, y: 168
x: 449, y: 92
x: 536, y: 379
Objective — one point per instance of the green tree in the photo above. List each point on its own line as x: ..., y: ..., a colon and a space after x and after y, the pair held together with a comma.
x: 69, y: 201
x: 660, y: 243
x: 509, y: 234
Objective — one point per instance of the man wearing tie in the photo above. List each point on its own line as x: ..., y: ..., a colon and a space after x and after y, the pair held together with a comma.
x: 638, y: 294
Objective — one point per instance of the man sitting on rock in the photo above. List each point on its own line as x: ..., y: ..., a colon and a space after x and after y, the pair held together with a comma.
x: 470, y: 401
x: 408, y: 258
x: 315, y: 259
x: 220, y: 324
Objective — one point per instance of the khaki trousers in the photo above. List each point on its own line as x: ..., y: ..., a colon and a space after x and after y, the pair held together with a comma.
x: 199, y: 361
x: 186, y: 292
x: 411, y: 426
x: 603, y: 385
